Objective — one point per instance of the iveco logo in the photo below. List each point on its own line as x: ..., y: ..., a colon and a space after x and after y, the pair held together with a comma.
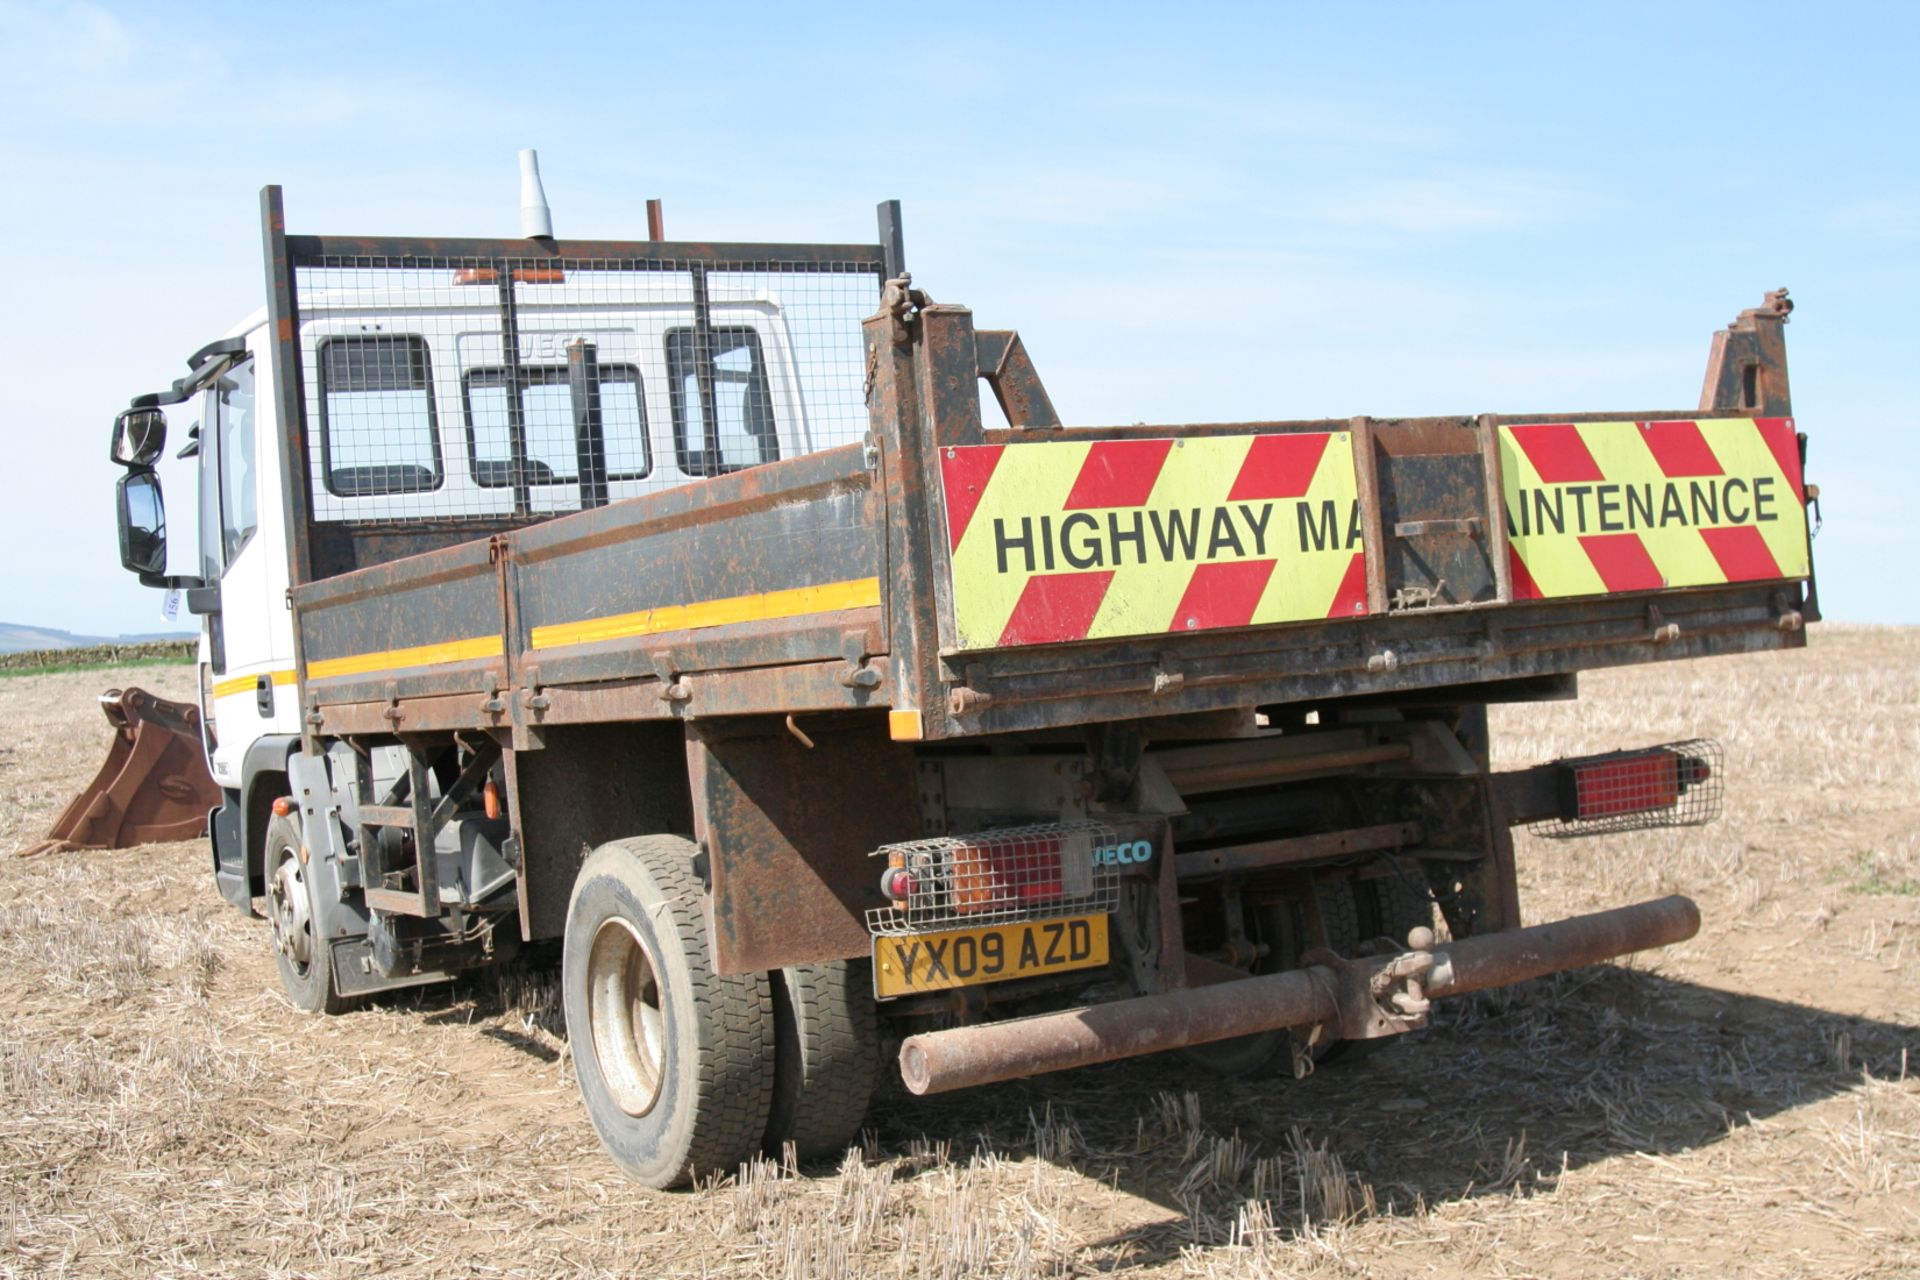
x: 544, y: 346
x: 1117, y: 855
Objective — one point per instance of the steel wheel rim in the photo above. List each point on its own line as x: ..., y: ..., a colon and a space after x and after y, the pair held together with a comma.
x: 626, y: 1017
x: 290, y: 911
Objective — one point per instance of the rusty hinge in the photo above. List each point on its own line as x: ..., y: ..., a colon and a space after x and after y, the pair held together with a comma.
x: 672, y: 688
x: 534, y: 698
x: 494, y: 705
x: 856, y: 647
x: 902, y: 303
x: 963, y: 700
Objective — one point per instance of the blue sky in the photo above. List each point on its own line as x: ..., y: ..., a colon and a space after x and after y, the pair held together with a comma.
x: 1191, y: 212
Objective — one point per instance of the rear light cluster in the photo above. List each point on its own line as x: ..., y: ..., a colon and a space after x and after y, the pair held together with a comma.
x: 1019, y: 873
x: 1677, y: 784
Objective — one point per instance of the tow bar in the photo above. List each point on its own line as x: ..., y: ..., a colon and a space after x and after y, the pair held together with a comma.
x: 1362, y: 999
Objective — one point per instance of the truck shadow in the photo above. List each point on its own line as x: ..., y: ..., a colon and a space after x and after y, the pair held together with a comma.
x: 1504, y: 1092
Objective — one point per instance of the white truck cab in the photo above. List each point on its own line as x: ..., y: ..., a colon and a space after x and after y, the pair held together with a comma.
x: 411, y: 420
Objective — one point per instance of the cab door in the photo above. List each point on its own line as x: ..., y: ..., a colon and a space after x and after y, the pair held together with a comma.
x: 243, y: 548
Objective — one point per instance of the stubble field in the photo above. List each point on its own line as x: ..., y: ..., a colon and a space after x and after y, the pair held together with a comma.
x: 1747, y: 1103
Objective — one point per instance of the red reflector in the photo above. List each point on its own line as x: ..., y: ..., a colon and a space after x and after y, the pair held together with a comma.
x: 897, y: 884
x: 1000, y: 875
x: 1628, y: 784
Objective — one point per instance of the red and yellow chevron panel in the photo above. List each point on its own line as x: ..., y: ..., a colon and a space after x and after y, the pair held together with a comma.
x: 1599, y: 507
x: 1072, y: 540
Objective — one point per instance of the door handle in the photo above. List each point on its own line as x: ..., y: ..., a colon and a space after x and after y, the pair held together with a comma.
x: 263, y: 695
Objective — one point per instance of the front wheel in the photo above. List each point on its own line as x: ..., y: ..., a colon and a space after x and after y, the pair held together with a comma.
x: 674, y: 1062
x: 299, y: 942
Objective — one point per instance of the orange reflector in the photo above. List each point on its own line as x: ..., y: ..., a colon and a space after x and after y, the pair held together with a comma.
x: 283, y: 807
x: 490, y: 796
x: 521, y: 275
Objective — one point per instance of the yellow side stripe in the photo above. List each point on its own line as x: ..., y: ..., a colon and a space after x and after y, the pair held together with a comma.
x: 424, y: 655
x: 857, y: 593
x: 247, y: 684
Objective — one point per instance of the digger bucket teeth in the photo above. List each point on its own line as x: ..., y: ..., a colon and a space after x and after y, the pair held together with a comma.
x: 153, y: 787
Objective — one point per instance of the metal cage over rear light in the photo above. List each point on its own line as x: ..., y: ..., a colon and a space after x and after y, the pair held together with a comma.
x: 1676, y: 784
x: 1014, y: 873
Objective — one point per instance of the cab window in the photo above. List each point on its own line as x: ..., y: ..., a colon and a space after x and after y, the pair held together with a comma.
x: 232, y: 406
x: 546, y: 415
x: 742, y: 407
x: 378, y: 432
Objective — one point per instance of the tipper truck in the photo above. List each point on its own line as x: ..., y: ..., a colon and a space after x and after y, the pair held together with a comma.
x: 745, y: 626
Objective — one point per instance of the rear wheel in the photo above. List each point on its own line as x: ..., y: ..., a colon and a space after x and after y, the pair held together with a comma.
x: 299, y: 942
x: 828, y: 1059
x: 1353, y: 912
x: 674, y: 1062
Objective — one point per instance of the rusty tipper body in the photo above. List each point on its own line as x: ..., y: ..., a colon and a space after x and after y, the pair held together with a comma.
x: 674, y: 602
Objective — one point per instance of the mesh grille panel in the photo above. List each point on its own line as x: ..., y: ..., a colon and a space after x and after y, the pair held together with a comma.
x: 509, y: 389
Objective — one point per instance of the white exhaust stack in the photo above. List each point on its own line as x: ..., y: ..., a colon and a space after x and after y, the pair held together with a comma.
x: 536, y: 220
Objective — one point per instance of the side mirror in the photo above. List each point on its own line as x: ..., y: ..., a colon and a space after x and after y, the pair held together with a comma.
x: 143, y: 524
x: 139, y: 437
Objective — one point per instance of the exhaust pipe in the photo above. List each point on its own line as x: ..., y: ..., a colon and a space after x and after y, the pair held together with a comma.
x: 536, y: 219
x: 939, y: 1061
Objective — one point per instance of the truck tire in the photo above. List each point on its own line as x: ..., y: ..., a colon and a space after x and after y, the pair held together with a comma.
x: 1353, y: 912
x: 1388, y: 906
x: 828, y: 1057
x: 299, y: 943
x: 674, y: 1062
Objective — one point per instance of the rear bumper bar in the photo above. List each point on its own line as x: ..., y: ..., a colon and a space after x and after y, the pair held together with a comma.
x: 1363, y: 999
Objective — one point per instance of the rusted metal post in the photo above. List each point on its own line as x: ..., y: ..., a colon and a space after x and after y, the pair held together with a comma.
x: 1373, y: 536
x: 1747, y: 365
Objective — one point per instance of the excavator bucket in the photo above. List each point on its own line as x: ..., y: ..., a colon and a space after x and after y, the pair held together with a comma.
x: 154, y: 785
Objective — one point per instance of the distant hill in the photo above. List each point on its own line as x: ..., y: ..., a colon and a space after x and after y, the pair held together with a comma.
x: 15, y: 638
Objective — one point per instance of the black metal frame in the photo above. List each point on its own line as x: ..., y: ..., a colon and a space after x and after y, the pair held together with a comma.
x: 286, y: 254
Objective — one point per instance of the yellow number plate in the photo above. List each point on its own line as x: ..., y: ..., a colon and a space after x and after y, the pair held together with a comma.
x: 992, y: 953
